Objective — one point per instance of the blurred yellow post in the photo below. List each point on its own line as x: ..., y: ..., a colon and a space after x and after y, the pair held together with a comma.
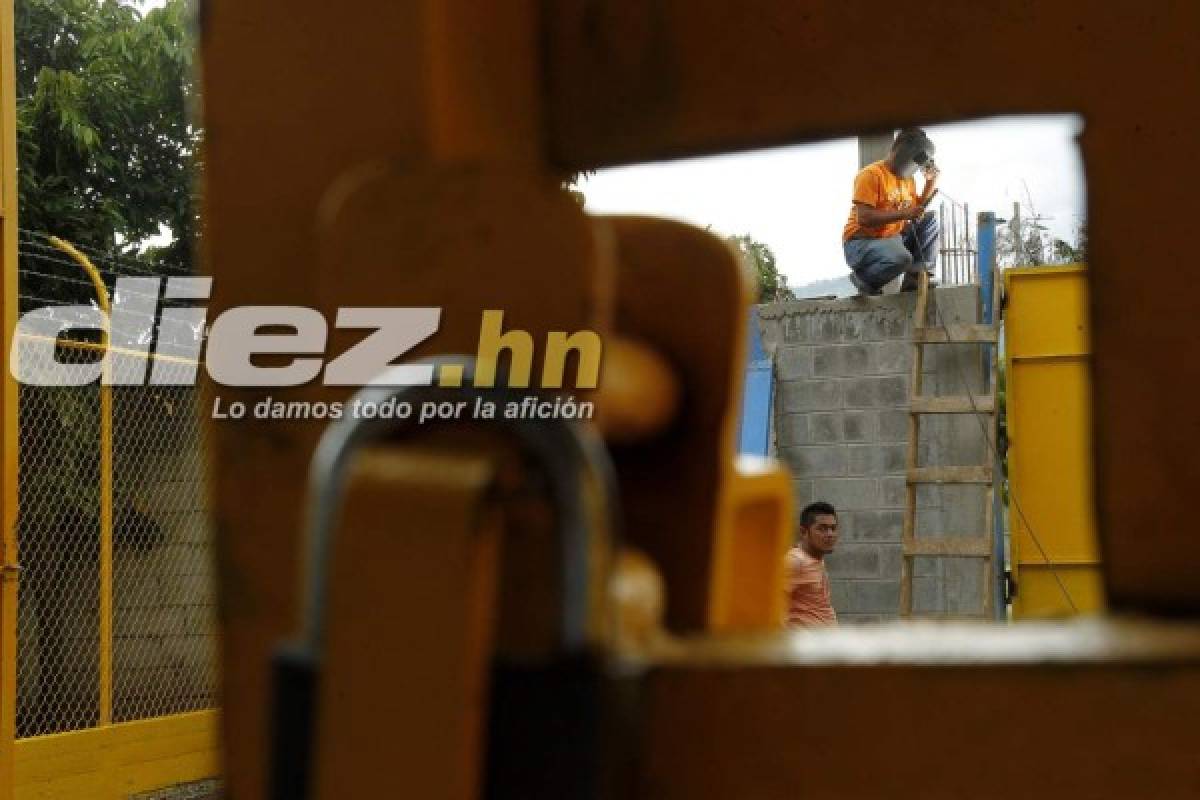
x: 106, y: 483
x: 8, y: 400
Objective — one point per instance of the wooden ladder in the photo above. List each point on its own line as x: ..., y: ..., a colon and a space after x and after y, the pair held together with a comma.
x: 965, y: 545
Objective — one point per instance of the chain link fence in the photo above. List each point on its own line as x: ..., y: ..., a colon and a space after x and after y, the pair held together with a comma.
x: 116, y: 595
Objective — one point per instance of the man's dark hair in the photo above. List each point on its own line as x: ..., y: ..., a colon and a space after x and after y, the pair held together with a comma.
x: 910, y: 136
x: 813, y: 510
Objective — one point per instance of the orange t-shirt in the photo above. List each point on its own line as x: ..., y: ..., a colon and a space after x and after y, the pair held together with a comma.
x: 808, y: 600
x: 880, y: 188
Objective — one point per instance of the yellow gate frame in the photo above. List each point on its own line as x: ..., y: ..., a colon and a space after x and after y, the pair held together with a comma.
x: 8, y: 400
x: 109, y: 761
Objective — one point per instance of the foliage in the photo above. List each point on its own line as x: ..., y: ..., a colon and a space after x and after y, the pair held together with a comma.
x: 772, y: 285
x: 106, y: 160
x: 1065, y: 253
x: 107, y: 153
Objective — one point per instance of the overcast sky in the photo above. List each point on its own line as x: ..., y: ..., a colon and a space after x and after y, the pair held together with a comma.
x: 796, y: 199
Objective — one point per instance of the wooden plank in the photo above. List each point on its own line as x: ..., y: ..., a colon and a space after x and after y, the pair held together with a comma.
x: 920, y: 313
x: 964, y: 546
x: 950, y: 475
x: 983, y: 404
x: 955, y: 332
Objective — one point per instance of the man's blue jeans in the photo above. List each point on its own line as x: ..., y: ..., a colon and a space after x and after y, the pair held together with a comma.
x: 878, y: 261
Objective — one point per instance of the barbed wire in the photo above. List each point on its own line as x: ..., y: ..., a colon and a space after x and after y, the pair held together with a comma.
x: 112, y: 260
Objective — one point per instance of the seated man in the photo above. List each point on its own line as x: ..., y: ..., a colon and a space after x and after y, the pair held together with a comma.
x: 878, y: 242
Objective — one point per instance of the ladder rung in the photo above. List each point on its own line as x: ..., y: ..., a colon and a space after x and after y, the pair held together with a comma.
x: 950, y: 475
x: 954, y: 332
x: 983, y: 403
x: 975, y: 546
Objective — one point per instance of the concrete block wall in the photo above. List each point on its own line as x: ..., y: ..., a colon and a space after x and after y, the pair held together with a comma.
x: 841, y: 425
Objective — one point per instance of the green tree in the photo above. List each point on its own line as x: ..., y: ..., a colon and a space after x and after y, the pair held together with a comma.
x: 107, y: 150
x: 772, y: 285
x: 1066, y: 253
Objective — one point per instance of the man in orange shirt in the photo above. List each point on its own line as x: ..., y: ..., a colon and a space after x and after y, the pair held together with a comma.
x: 879, y: 242
x: 808, y: 599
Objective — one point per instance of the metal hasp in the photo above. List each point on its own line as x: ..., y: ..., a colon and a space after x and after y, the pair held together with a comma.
x: 1056, y: 558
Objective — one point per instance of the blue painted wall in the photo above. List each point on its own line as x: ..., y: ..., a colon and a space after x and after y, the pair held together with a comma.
x: 758, y: 391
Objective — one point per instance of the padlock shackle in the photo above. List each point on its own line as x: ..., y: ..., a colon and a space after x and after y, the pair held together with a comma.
x: 565, y: 449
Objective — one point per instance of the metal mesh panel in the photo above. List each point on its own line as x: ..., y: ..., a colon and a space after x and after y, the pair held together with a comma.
x: 58, y: 538
x: 163, y: 654
x: 154, y: 653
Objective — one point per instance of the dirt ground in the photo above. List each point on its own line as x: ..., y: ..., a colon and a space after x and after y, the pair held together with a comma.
x: 201, y: 790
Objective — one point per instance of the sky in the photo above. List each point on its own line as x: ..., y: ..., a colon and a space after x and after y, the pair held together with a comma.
x: 796, y: 199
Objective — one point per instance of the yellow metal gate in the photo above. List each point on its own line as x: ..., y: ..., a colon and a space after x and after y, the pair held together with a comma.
x: 1048, y: 394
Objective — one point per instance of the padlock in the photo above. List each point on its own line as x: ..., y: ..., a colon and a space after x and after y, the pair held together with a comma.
x: 554, y: 700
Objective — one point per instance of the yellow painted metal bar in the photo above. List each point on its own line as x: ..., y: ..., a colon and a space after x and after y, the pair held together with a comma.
x: 106, y: 485
x: 8, y: 400
x: 114, y: 762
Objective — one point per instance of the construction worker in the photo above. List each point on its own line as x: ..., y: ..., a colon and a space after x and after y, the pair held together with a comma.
x: 809, y: 603
x: 889, y: 231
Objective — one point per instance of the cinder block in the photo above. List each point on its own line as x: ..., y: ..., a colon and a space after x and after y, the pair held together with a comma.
x: 815, y: 395
x: 847, y: 494
x: 927, y: 567
x: 963, y: 509
x: 928, y: 597
x: 841, y: 360
x: 825, y: 428
x: 858, y: 426
x: 802, y: 493
x: 894, y: 357
x: 827, y: 327
x: 854, y: 326
x: 792, y: 363
x: 873, y: 526
x: 874, y: 392
x: 771, y: 329
x: 860, y: 393
x: 887, y: 323
x: 854, y: 561
x: 792, y: 429
x: 892, y: 391
x: 815, y: 460
x: 893, y: 492
x: 866, y: 596
x: 964, y: 585
x: 876, y: 459
x: 893, y: 425
x: 891, y: 559
x: 931, y: 522
x: 796, y: 329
